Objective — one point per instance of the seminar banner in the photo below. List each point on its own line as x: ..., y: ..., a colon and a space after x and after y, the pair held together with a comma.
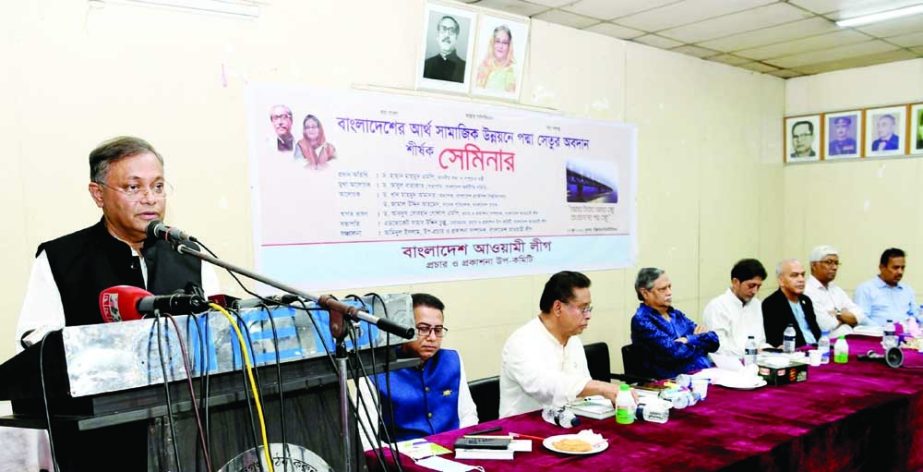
x: 358, y: 189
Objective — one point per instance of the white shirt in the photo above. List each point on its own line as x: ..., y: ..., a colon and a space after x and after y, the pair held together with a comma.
x: 43, y: 311
x: 733, y: 322
x: 826, y: 301
x: 467, y: 410
x: 536, y: 370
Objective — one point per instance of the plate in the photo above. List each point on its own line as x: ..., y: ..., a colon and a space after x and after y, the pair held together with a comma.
x: 549, y: 444
x: 744, y: 386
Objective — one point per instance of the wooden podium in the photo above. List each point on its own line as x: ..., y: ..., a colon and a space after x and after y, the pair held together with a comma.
x: 102, y: 419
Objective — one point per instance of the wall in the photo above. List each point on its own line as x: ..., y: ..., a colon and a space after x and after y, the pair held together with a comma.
x: 709, y: 138
x: 860, y: 206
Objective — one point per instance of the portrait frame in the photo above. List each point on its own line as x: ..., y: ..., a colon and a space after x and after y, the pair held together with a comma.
x: 430, y: 49
x: 848, y: 146
x: 485, y: 76
x: 873, y: 139
x: 915, y: 132
x: 816, y: 125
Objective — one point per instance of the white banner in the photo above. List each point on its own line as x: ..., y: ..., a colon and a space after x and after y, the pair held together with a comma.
x: 357, y: 189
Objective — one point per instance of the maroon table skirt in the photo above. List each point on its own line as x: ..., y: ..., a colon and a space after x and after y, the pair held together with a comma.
x: 854, y: 416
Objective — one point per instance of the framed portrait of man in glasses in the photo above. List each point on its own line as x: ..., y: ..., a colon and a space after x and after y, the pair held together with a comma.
x: 802, y: 138
x: 446, y: 49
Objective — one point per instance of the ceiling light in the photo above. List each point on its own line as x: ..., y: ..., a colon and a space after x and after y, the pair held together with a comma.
x: 883, y: 16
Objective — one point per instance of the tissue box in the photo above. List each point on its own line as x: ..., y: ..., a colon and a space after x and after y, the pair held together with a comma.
x: 793, y: 372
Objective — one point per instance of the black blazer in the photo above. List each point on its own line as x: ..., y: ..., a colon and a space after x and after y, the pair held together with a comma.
x: 777, y: 315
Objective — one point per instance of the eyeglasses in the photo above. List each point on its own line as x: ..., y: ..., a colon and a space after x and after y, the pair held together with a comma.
x: 585, y: 310
x: 830, y: 263
x: 423, y: 330
x: 803, y: 136
x: 135, y: 192
x: 447, y: 29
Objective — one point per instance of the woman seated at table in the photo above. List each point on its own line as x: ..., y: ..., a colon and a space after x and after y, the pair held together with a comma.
x: 429, y: 398
x: 666, y: 342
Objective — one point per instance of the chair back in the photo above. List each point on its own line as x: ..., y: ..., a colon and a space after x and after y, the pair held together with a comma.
x: 486, y: 396
x: 597, y: 360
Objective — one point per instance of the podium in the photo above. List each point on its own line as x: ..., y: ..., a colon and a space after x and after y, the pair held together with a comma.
x: 107, y: 392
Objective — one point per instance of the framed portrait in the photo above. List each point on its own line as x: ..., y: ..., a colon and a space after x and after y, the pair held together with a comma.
x: 916, y: 128
x: 447, y: 48
x: 843, y: 135
x: 884, y: 131
x: 802, y: 138
x: 499, y: 57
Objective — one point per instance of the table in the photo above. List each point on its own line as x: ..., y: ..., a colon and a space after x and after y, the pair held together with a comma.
x: 854, y: 416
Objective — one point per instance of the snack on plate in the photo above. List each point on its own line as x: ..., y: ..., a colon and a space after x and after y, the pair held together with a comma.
x: 913, y: 343
x: 573, y: 445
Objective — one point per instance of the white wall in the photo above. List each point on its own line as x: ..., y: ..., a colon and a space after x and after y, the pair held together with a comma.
x: 708, y: 154
x: 860, y: 206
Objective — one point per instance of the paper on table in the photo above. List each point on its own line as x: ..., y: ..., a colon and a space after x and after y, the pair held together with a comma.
x: 445, y: 465
x: 419, y: 448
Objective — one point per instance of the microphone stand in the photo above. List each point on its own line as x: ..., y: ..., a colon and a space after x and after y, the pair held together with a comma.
x: 338, y: 329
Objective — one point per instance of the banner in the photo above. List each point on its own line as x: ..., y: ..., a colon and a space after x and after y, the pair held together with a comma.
x: 358, y: 189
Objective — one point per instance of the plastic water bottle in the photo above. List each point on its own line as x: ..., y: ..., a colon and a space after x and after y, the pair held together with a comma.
x: 625, y: 406
x: 841, y: 351
x: 788, y: 339
x: 823, y: 345
x: 750, y: 351
x: 889, y: 335
x: 562, y: 417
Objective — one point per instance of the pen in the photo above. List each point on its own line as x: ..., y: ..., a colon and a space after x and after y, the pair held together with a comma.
x: 483, y: 431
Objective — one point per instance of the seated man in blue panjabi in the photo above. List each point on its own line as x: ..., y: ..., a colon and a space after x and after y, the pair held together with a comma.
x: 667, y: 343
x: 427, y: 399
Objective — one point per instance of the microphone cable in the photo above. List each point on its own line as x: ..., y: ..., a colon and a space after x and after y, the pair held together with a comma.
x: 376, y: 402
x: 275, y: 342
x: 395, y: 453
x: 249, y: 371
x: 41, y: 369
x: 256, y: 375
x: 200, y: 357
x: 166, y: 389
x: 192, y: 396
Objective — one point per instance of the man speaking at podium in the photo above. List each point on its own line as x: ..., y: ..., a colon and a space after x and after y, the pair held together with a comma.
x: 127, y: 183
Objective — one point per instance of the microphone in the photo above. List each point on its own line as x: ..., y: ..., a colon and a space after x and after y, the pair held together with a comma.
x: 126, y: 303
x: 893, y: 357
x: 158, y: 230
x: 120, y: 303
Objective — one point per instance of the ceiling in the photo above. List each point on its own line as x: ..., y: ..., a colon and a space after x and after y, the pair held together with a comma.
x: 784, y: 38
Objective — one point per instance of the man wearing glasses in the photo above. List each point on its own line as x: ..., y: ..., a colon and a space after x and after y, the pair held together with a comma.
x: 667, y: 342
x: 803, y: 139
x: 127, y: 184
x: 427, y: 399
x: 446, y: 65
x: 543, y: 362
x: 834, y: 310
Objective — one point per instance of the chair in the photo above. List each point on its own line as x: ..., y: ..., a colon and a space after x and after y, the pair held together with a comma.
x: 486, y: 396
x: 630, y: 361
x: 597, y: 359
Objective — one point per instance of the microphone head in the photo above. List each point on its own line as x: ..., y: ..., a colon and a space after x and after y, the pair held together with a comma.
x: 120, y: 303
x: 154, y: 229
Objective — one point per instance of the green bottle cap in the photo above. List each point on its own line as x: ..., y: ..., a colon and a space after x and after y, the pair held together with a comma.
x: 624, y: 387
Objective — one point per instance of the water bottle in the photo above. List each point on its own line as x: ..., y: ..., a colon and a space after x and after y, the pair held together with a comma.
x: 788, y: 339
x: 625, y: 405
x: 889, y: 335
x: 823, y: 345
x: 750, y: 351
x: 841, y: 351
x: 560, y: 417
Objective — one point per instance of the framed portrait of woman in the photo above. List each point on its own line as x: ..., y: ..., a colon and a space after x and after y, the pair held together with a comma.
x: 498, y: 57
x: 916, y: 128
x: 885, y: 131
x: 802, y: 138
x: 843, y: 135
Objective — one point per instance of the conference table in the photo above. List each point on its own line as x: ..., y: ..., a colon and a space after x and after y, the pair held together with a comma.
x: 853, y: 416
